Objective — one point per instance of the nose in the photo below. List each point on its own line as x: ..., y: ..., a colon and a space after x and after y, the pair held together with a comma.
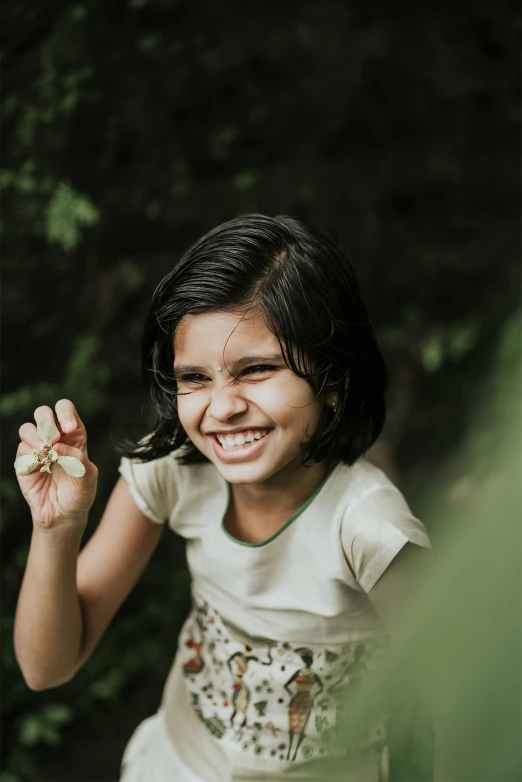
x: 226, y: 403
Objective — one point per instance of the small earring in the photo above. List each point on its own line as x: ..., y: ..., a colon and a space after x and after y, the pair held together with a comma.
x: 333, y: 404
x: 219, y: 369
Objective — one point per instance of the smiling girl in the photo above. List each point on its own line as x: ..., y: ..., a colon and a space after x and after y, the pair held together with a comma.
x: 261, y: 364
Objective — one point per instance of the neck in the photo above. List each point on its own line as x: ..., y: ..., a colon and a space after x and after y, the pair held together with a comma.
x: 258, y: 510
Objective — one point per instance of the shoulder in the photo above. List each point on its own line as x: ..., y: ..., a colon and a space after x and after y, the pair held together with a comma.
x: 369, y: 496
x: 163, y: 487
x: 376, y: 523
x: 155, y: 485
x: 349, y: 485
x: 361, y: 479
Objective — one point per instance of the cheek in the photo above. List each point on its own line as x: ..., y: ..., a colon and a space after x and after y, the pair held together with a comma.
x: 288, y: 402
x: 305, y: 407
x: 190, y: 410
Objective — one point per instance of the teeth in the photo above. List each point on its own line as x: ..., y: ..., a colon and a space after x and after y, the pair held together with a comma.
x: 240, y: 440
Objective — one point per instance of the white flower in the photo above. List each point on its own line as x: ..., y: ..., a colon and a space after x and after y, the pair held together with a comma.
x: 47, y: 456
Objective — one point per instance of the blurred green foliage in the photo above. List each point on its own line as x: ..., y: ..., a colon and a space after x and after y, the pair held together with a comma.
x: 130, y: 130
x: 67, y: 213
x: 447, y: 345
x: 45, y: 725
x: 84, y: 381
x: 454, y: 677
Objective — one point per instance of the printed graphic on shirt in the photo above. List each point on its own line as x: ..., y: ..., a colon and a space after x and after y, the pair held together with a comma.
x: 270, y: 698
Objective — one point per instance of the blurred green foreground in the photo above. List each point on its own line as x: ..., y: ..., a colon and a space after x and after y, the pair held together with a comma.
x: 463, y: 637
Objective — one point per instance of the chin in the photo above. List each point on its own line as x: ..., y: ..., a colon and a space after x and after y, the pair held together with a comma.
x: 243, y: 473
x: 250, y: 473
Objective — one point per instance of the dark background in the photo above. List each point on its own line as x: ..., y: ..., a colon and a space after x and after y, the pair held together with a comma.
x: 129, y: 130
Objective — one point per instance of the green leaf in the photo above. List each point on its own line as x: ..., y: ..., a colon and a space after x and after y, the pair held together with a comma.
x: 67, y: 213
x: 462, y: 340
x: 432, y: 353
x: 31, y: 731
x: 58, y: 713
x: 44, y: 726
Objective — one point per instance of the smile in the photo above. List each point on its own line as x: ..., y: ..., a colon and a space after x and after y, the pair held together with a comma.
x: 240, y: 446
x: 240, y: 439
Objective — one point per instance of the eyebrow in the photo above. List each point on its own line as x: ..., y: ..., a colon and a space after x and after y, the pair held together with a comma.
x: 236, y: 366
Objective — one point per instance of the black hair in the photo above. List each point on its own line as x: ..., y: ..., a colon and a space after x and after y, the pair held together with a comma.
x: 306, y: 290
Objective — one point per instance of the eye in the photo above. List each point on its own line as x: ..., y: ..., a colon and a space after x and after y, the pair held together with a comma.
x: 258, y: 369
x: 193, y: 378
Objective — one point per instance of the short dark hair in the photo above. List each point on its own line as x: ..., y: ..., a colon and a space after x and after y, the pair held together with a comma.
x: 306, y: 290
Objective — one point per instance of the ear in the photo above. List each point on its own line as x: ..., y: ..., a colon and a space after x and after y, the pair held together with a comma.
x: 332, y: 400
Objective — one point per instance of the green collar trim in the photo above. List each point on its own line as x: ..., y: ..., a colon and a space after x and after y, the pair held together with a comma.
x: 287, y: 523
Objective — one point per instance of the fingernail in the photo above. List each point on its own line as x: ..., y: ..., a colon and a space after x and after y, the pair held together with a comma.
x: 69, y: 424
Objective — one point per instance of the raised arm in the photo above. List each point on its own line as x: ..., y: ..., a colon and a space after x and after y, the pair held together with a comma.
x: 67, y: 599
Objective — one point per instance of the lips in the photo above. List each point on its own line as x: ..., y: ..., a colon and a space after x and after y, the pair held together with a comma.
x: 243, y: 451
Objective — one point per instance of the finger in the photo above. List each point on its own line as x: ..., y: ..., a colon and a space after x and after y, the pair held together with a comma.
x: 44, y: 413
x: 24, y: 449
x: 28, y: 433
x: 68, y: 417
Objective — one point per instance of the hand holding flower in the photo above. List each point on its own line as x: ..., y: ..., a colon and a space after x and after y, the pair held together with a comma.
x: 47, y: 456
x: 50, y: 461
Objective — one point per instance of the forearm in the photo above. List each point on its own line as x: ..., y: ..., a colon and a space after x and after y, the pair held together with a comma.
x: 49, y: 624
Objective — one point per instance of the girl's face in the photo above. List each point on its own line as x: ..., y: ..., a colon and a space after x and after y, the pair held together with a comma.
x: 250, y: 417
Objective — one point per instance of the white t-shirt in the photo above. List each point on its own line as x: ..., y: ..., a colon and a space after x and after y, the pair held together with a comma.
x: 279, y: 630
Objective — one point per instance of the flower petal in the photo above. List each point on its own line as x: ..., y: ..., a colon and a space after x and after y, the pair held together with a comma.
x: 47, y: 431
x: 25, y: 464
x: 53, y: 455
x: 72, y: 466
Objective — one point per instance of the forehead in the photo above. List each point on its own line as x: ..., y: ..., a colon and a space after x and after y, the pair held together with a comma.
x: 211, y: 332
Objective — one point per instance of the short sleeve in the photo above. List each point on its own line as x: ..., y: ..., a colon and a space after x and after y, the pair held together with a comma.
x: 154, y: 485
x: 374, y: 530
